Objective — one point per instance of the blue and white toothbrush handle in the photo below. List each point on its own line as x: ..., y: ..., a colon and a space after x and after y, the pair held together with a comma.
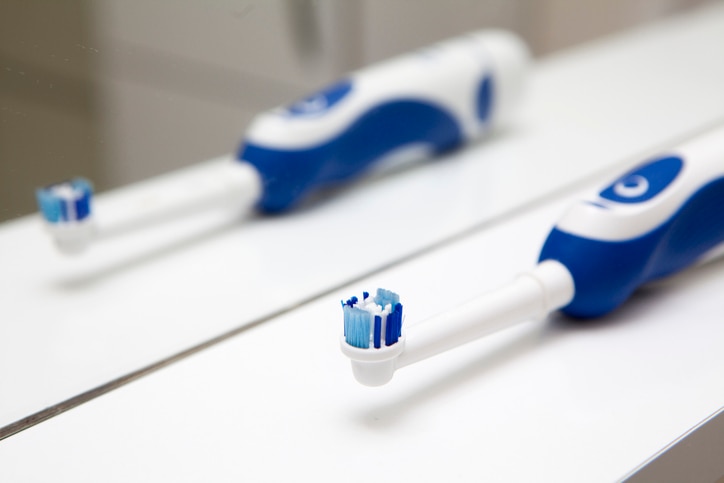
x: 656, y: 219
x: 425, y: 102
x: 653, y: 221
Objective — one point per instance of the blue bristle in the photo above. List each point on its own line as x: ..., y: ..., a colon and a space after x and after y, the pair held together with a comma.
x: 398, y: 308
x: 357, y: 327
x: 50, y: 207
x: 385, y: 297
x: 378, y: 331
x: 365, y: 295
x: 345, y: 311
x: 394, y: 325
x: 82, y: 204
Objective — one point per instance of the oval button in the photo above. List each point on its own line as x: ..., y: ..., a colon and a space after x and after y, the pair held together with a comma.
x: 632, y: 187
x: 322, y: 101
x: 644, y: 182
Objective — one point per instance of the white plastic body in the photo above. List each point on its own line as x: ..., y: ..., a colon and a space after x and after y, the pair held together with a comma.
x: 534, y: 294
x: 226, y: 184
x: 72, y: 237
x: 597, y: 218
x: 446, y: 74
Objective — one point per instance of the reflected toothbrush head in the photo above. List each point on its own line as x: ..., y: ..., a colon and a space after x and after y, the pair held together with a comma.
x: 373, y: 336
x: 66, y: 209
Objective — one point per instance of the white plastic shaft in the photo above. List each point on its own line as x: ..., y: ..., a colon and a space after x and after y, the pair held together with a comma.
x: 531, y: 295
x: 223, y: 184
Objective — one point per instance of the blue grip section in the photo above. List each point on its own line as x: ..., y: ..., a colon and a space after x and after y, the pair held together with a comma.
x: 606, y: 273
x: 289, y: 175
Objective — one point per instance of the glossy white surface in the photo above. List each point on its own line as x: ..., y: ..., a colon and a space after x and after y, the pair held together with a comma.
x: 546, y: 401
x: 69, y: 325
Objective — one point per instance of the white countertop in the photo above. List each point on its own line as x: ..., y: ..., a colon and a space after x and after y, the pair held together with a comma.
x: 549, y: 400
x: 546, y: 401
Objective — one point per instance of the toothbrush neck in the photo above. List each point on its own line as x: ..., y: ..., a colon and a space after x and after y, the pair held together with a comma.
x: 533, y: 294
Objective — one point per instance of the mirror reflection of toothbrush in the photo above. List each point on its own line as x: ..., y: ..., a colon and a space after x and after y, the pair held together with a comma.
x: 659, y: 218
x: 426, y: 102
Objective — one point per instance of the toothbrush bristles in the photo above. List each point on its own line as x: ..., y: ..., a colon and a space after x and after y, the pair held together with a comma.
x: 373, y: 320
x: 68, y: 201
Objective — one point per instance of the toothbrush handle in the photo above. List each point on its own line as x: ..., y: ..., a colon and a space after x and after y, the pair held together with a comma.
x: 421, y: 103
x: 653, y: 221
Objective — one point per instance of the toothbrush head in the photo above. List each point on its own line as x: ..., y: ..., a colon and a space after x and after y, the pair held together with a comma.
x: 373, y: 336
x: 66, y: 209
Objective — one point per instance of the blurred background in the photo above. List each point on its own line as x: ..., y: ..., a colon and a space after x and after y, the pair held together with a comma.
x: 119, y: 90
